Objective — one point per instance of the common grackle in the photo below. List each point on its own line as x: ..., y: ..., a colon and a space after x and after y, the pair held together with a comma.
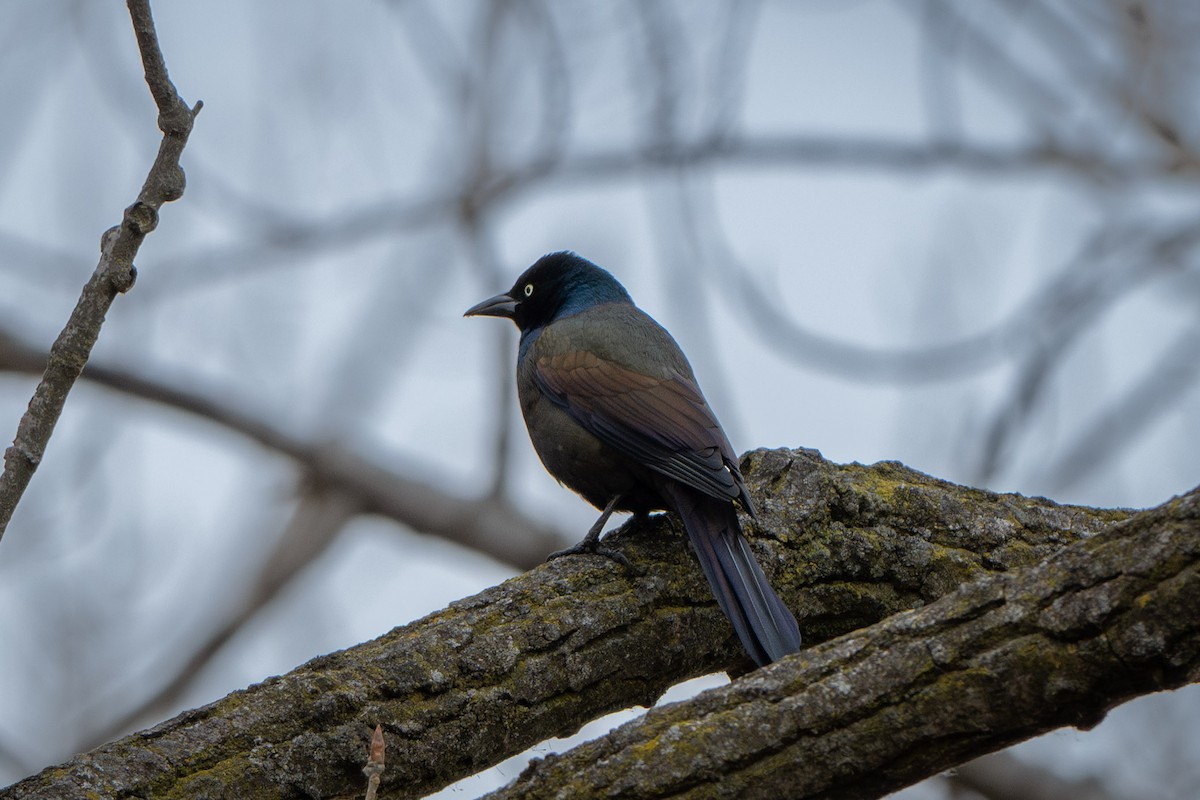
x: 614, y: 412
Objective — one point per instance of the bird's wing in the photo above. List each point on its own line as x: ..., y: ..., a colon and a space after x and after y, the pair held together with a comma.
x: 662, y: 422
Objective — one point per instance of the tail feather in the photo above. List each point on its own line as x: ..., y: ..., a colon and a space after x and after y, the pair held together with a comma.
x: 762, y: 622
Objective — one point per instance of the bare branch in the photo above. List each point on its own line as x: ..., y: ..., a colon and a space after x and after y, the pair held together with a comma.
x: 1024, y: 89
x: 490, y: 525
x: 1117, y: 258
x: 317, y: 520
x: 1004, y: 658
x: 543, y: 653
x: 487, y: 259
x: 1108, y: 268
x: 730, y: 66
x: 276, y: 248
x: 114, y: 274
x: 1086, y: 69
x: 1163, y: 386
x: 1002, y: 776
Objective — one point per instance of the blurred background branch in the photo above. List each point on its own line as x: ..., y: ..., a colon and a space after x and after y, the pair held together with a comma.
x: 963, y: 236
x: 1001, y: 776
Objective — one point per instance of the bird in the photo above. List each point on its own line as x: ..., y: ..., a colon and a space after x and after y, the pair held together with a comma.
x: 614, y: 412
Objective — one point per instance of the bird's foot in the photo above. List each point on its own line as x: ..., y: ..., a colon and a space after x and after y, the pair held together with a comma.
x: 593, y: 546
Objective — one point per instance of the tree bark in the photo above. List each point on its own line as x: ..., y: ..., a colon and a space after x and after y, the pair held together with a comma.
x: 1004, y: 658
x: 543, y: 653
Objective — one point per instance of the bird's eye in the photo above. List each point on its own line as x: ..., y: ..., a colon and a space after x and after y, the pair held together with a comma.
x: 529, y: 290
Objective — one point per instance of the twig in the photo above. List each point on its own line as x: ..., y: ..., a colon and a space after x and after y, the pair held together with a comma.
x: 374, y: 768
x: 115, y: 274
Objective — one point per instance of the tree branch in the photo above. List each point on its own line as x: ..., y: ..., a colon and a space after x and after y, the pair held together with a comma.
x: 114, y: 274
x: 1002, y: 659
x: 491, y: 525
x: 545, y: 652
x: 321, y: 514
x: 277, y: 246
x: 1003, y: 776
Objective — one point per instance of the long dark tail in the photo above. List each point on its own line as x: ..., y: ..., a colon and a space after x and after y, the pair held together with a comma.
x: 763, y: 623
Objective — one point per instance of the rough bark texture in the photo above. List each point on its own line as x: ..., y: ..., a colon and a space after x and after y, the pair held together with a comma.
x: 547, y: 651
x: 1000, y: 660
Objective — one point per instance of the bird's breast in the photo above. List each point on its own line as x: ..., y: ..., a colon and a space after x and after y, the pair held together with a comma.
x: 575, y: 457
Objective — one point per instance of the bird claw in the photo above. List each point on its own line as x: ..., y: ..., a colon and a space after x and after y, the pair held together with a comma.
x: 594, y: 547
x: 591, y: 542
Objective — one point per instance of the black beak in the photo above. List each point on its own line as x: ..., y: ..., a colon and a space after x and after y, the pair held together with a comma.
x: 502, y: 305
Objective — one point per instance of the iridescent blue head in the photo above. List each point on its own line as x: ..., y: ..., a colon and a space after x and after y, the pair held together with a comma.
x: 556, y: 286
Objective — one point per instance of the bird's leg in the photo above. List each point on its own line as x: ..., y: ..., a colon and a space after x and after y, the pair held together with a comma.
x: 591, y: 542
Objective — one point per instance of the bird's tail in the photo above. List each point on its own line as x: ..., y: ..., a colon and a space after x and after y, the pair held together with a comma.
x: 763, y: 623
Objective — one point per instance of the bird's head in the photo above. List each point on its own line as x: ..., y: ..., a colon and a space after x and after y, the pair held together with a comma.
x: 557, y: 285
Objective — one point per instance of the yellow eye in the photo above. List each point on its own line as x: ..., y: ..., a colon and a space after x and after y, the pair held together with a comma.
x: 529, y: 290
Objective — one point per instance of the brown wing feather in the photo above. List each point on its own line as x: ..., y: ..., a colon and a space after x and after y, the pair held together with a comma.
x: 662, y: 422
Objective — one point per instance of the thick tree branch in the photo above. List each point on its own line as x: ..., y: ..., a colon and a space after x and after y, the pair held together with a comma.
x: 545, y: 652
x: 1002, y: 659
x: 114, y: 274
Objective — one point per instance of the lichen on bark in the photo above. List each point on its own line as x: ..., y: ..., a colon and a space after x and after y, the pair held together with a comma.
x: 549, y: 650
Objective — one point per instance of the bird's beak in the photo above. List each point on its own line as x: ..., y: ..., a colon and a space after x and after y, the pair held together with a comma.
x: 502, y: 305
